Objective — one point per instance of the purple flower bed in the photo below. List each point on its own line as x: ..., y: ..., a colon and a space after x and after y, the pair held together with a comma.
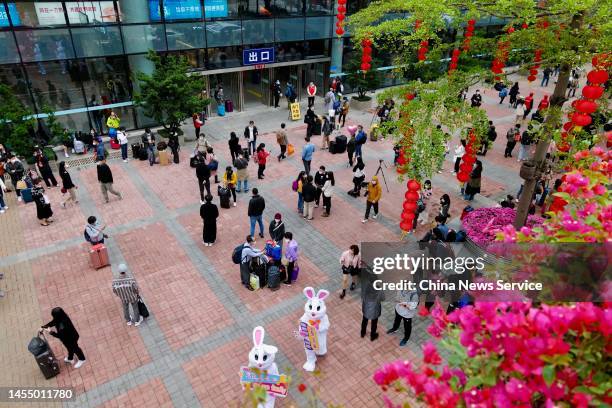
x: 482, y: 224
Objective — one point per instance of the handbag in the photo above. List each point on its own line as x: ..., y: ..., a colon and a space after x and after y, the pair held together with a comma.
x: 21, y: 185
x: 142, y: 308
x: 290, y: 149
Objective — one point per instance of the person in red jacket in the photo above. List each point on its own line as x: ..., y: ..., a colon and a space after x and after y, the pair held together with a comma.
x: 544, y: 103
x: 197, y: 124
x: 262, y: 156
x: 311, y: 90
x: 528, y: 105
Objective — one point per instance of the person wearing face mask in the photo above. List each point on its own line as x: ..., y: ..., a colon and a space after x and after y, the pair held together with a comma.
x: 476, y: 99
x: 374, y: 194
x: 290, y: 255
x: 277, y: 229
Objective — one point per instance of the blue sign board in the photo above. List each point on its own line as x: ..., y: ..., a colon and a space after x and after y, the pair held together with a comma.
x: 176, y: 10
x: 258, y: 56
x: 12, y: 10
x: 215, y: 8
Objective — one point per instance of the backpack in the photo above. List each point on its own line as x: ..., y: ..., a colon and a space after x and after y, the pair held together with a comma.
x: 213, y: 165
x: 503, y: 92
x: 361, y: 138
x: 237, y: 254
x: 86, y: 235
x: 336, y: 105
x: 294, y: 185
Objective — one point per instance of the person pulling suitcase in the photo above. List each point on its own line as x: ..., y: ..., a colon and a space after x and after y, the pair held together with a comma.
x: 67, y: 334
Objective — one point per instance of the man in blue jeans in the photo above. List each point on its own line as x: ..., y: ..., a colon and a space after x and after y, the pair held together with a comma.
x: 256, y: 208
x: 307, y: 152
x: 148, y: 140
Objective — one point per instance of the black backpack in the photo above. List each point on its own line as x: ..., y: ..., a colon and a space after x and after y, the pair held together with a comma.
x: 237, y: 254
x: 86, y: 235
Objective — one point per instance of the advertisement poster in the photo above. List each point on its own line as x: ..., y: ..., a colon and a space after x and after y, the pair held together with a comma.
x: 12, y: 10
x: 295, y: 111
x: 176, y: 10
x: 215, y: 8
x: 274, y: 384
x: 90, y: 12
x: 50, y: 14
x: 309, y: 333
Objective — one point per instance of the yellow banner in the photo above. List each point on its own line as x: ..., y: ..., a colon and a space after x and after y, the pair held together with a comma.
x: 295, y: 111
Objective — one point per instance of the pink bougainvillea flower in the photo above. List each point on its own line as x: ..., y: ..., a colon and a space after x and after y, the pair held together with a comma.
x: 580, y: 400
x: 430, y: 354
x: 599, y: 189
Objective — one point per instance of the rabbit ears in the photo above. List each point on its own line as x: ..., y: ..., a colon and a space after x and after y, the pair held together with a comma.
x: 310, y: 293
x: 258, y: 338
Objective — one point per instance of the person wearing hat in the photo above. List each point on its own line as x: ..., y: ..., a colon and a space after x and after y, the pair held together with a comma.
x: 126, y: 289
x: 277, y: 229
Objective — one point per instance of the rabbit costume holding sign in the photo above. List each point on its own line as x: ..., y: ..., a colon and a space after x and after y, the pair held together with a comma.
x: 261, y: 357
x: 313, y: 326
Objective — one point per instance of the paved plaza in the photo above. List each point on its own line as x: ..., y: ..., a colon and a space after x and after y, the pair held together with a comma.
x: 189, y: 351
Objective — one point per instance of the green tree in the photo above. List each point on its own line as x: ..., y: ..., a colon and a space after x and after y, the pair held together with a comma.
x: 169, y: 95
x: 16, y: 125
x: 567, y: 33
x: 360, y: 81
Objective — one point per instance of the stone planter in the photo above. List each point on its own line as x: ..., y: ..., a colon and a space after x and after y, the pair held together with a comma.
x: 360, y: 105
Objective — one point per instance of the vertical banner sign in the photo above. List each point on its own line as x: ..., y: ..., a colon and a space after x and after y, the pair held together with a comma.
x: 309, y: 333
x: 295, y: 111
x: 258, y: 56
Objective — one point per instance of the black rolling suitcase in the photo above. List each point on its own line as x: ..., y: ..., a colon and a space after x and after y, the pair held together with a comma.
x: 245, y: 153
x: 340, y: 144
x: 259, y: 268
x: 224, y: 197
x: 136, y: 147
x: 44, y: 356
x: 332, y: 147
x: 143, y: 154
x: 316, y: 128
x: 274, y: 277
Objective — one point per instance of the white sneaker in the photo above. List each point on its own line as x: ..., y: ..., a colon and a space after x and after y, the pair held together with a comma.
x: 79, y: 364
x: 19, y: 198
x: 67, y: 360
x: 1, y: 211
x: 5, y: 207
x: 364, y: 221
x: 234, y: 204
x: 139, y: 321
x: 125, y: 161
x: 66, y: 154
x: 374, y: 216
x: 129, y: 322
x: 201, y: 201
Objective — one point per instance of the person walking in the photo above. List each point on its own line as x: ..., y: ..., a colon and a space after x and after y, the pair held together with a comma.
x: 201, y: 144
x: 112, y: 123
x: 277, y: 229
x: 67, y: 185
x: 458, y: 154
x: 241, y: 164
x: 405, y: 310
x: 67, y: 334
x: 94, y: 231
x: 319, y: 180
x: 309, y: 119
x: 298, y: 185
x: 330, y: 98
x: 360, y: 138
x: 514, y: 91
x: 209, y: 214
x: 257, y: 204
x: 327, y: 130
x: 546, y: 76
x: 572, y: 86
x: 234, y: 146
x: 371, y: 307
x: 123, y: 143
x: 203, y: 175
x: 311, y: 90
x: 246, y: 255
x: 307, y: 152
x: 491, y: 137
x: 173, y: 144
x: 344, y: 110
x: 350, y: 149
x: 230, y: 180
x: 197, y: 124
x: 290, y: 256
x: 43, y: 205
x: 526, y: 141
x: 528, y: 105
x: 16, y: 172
x: 43, y: 167
x: 512, y: 136
x: 251, y: 133
x: 99, y: 151
x: 309, y: 192
x: 148, y: 140
x: 262, y: 157
x: 519, y: 110
x: 105, y: 178
x: 283, y: 141
x: 473, y: 184
x: 126, y: 289
x: 358, y: 176
x: 503, y: 93
x: 350, y: 261
x: 476, y: 99
x: 374, y: 195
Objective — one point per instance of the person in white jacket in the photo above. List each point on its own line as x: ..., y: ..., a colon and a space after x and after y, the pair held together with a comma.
x: 405, y: 309
x: 327, y: 189
x: 123, y: 142
x: 459, y: 152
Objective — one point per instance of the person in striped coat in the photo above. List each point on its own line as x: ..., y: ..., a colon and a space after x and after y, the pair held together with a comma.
x: 126, y: 289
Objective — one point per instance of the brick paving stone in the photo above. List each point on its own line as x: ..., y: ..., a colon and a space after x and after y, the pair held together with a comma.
x: 150, y: 394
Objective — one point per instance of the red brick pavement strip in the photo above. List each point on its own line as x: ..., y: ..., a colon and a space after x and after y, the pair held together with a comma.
x: 65, y: 279
x: 184, y: 306
x: 149, y: 394
x: 116, y: 212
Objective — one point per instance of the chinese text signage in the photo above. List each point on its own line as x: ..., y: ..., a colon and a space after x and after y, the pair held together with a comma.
x: 258, y: 56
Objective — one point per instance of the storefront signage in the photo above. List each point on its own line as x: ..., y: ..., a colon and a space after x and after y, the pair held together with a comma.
x: 12, y: 10
x: 276, y: 385
x: 50, y: 14
x: 215, y: 8
x: 176, y: 10
x: 90, y: 12
x: 257, y: 56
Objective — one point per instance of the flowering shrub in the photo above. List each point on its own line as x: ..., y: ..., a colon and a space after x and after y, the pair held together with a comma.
x: 511, y: 354
x: 483, y: 224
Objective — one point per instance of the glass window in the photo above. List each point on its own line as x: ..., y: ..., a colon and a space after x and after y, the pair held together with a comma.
x: 96, y: 41
x: 223, y: 33
x: 4, y: 16
x: 224, y: 57
x: 258, y: 31
x: 91, y: 12
x: 195, y: 58
x: 255, y: 8
x: 222, y: 8
x: 13, y: 76
x: 40, y: 14
x: 55, y: 84
x: 289, y: 7
x: 319, y: 27
x: 141, y: 38
x: 180, y: 10
x: 74, y: 122
x: 138, y: 11
x: 319, y: 7
x: 316, y: 49
x: 105, y: 80
x: 185, y: 35
x: 8, y: 49
x: 291, y: 51
x: 289, y: 29
x: 42, y: 45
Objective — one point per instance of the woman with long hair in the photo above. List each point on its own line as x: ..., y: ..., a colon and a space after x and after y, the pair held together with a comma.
x: 473, y: 185
x: 445, y: 206
x: 67, y: 185
x: 297, y: 186
x: 262, y: 156
x: 327, y: 189
x: 358, y: 176
x: 67, y: 334
x: 43, y: 205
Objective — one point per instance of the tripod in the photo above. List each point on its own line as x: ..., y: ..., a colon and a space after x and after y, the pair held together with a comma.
x: 380, y: 170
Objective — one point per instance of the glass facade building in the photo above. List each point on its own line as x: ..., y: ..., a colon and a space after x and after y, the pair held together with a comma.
x: 79, y: 59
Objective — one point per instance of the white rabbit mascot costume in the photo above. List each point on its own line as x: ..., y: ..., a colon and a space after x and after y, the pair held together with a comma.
x: 315, y: 316
x: 262, y: 356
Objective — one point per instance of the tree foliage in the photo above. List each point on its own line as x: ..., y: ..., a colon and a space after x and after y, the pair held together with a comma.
x: 360, y: 81
x: 169, y: 95
x: 16, y: 125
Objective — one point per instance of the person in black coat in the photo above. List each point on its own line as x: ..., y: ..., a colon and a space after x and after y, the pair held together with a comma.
x: 319, y: 180
x: 310, y: 118
x: 43, y: 206
x: 514, y: 91
x: 67, y: 184
x: 309, y: 192
x: 105, y: 177
x: 203, y: 175
x: 257, y: 204
x: 209, y: 213
x: 67, y: 334
x: 476, y: 99
x: 173, y: 144
x: 277, y: 229
x: 42, y: 164
x: 234, y: 146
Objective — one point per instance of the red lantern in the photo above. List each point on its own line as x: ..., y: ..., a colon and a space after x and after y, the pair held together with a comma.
x: 533, y: 71
x: 341, y: 9
x: 408, y: 216
x: 365, y: 66
x: 598, y: 77
x: 463, y: 177
x: 452, y: 66
x: 586, y: 106
x: 405, y: 226
x: 342, y: 2
x: 524, y: 26
x: 413, y: 185
x: 592, y: 92
x: 340, y: 17
x: 468, y: 159
x: 340, y: 31
x: 410, y: 206
x: 366, y: 42
x: 531, y: 78
x: 465, y: 167
x: 411, y: 196
x: 456, y: 52
x: 580, y: 119
x: 510, y: 30
x: 468, y: 35
x: 410, y: 96
x: 366, y: 58
x: 471, y: 22
x: 400, y: 170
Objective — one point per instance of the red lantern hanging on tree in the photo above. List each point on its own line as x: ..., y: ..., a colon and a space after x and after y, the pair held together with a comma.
x: 366, y: 54
x: 340, y: 18
x: 469, y: 33
x: 454, y: 60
